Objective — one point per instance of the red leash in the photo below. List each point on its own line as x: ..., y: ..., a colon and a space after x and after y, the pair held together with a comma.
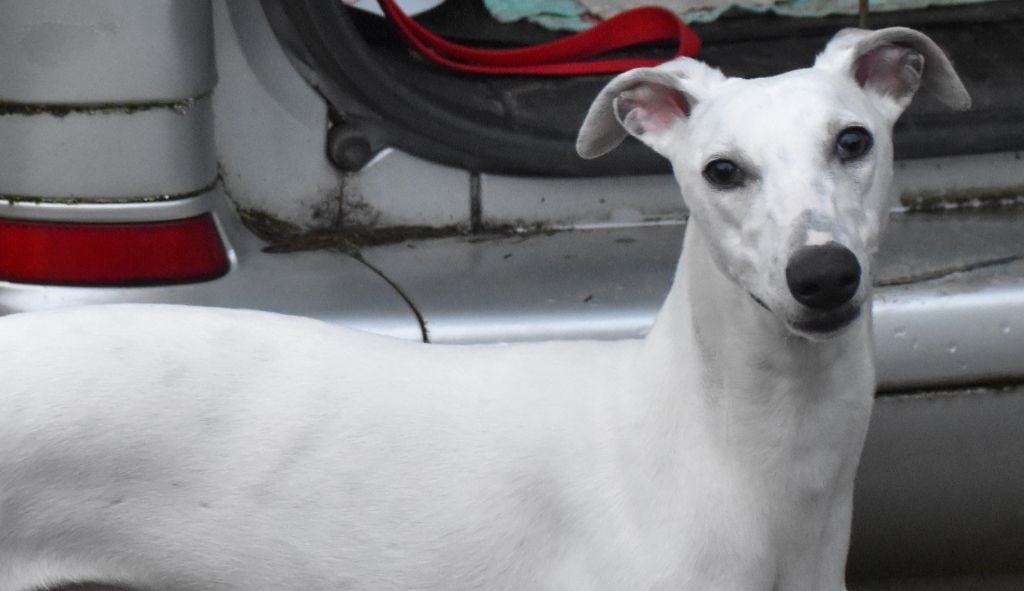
x: 562, y: 57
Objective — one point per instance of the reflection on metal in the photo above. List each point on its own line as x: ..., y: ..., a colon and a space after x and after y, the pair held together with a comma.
x: 563, y: 285
x: 959, y: 321
x: 142, y: 208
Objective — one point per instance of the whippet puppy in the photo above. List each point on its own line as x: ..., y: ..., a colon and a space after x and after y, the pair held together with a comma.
x: 168, y: 448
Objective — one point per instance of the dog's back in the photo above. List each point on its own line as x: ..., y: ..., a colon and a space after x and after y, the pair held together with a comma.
x: 257, y: 451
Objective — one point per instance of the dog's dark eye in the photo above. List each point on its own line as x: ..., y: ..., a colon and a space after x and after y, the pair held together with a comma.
x: 853, y: 142
x: 723, y: 173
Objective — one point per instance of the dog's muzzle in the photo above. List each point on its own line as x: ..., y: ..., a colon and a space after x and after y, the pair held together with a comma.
x: 824, y: 279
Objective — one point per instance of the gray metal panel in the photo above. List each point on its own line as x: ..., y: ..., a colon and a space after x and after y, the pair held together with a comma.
x: 615, y: 201
x: 271, y: 124
x: 963, y: 180
x: 939, y: 489
x: 956, y: 315
x: 922, y: 246
x: 956, y: 332
x: 951, y: 309
x: 396, y: 189
x: 108, y: 153
x: 567, y: 202
x: 105, y: 51
x: 278, y: 165
x: 585, y: 284
x: 325, y: 285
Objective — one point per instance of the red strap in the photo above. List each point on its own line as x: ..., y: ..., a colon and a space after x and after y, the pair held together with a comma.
x: 566, y: 56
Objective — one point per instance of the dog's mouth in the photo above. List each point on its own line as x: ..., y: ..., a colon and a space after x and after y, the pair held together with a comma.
x: 759, y: 301
x: 820, y: 324
x: 827, y: 323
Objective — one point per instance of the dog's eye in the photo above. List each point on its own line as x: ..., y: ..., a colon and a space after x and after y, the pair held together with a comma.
x: 723, y: 173
x: 853, y: 142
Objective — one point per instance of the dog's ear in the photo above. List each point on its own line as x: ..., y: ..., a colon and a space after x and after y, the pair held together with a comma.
x: 892, y: 63
x: 645, y: 103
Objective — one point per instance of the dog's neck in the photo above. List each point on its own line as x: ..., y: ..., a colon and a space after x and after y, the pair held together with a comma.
x: 739, y: 391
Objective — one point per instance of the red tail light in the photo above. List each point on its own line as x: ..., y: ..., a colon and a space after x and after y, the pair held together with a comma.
x: 115, y: 254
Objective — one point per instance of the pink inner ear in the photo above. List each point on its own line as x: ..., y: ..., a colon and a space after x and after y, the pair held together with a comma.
x: 650, y: 108
x: 890, y: 70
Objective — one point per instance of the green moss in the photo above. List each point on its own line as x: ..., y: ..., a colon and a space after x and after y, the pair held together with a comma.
x: 20, y: 199
x: 65, y: 109
x: 283, y: 236
x: 12, y: 199
x: 997, y: 385
x: 963, y: 198
x: 948, y: 270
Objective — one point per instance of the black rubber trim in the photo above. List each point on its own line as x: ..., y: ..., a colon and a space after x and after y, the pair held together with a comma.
x: 418, y: 121
x: 527, y: 125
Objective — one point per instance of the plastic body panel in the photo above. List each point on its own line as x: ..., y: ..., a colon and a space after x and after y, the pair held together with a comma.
x: 108, y: 153
x: 105, y: 51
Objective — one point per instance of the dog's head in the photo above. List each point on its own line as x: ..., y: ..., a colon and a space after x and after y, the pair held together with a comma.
x: 788, y: 177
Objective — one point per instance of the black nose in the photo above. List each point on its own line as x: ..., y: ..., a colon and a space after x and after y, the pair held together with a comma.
x: 823, y: 277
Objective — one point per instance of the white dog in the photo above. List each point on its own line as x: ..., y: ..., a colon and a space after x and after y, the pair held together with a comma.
x: 166, y: 448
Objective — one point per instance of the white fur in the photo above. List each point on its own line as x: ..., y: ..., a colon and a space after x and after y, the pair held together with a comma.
x: 175, y: 448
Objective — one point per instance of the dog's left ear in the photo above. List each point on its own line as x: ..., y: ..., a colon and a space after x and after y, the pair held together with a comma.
x: 891, y: 64
x: 646, y: 103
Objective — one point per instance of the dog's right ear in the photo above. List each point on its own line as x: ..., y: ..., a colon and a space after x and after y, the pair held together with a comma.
x: 646, y: 103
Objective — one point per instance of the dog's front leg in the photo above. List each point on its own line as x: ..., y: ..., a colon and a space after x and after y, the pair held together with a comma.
x: 818, y: 561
